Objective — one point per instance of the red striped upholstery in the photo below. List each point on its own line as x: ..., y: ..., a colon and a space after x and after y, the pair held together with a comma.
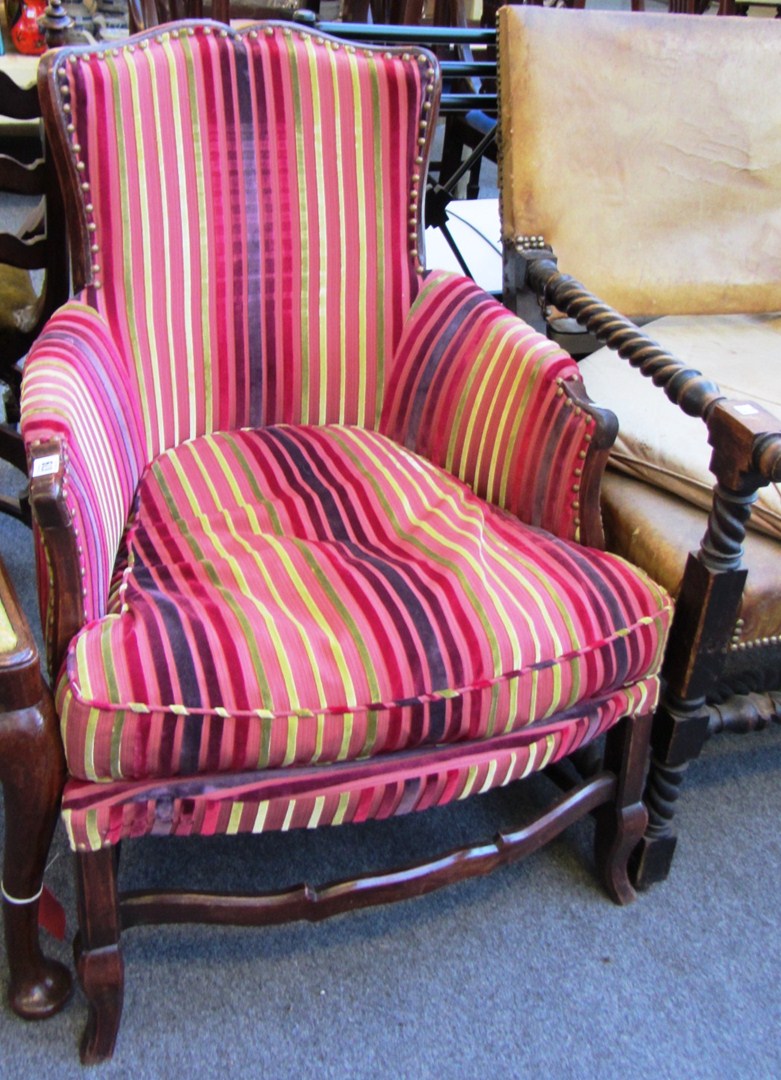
x: 237, y: 187
x: 380, y: 787
x: 477, y: 391
x: 296, y: 469
x: 299, y: 596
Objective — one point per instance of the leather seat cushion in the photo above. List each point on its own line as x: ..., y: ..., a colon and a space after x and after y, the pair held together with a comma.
x: 657, y: 530
x: 298, y: 596
x: 659, y: 443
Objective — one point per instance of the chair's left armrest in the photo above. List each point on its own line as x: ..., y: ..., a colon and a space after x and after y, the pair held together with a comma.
x: 81, y: 422
x: 479, y: 392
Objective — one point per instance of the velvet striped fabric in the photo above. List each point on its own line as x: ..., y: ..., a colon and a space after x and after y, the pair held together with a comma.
x: 237, y: 186
x: 77, y: 393
x: 483, y: 398
x: 477, y: 391
x: 303, y: 479
x: 311, y: 595
x: 97, y: 815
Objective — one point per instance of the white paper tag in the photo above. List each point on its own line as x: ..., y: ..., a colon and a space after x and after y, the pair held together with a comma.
x: 45, y: 466
x: 746, y: 410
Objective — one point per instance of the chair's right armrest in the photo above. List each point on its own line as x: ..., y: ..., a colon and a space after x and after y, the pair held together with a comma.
x: 481, y: 394
x: 83, y: 430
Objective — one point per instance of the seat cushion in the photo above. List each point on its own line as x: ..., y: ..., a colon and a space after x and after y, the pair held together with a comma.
x: 656, y: 441
x: 297, y: 596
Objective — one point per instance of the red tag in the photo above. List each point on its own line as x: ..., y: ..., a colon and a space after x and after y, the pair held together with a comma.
x: 51, y: 915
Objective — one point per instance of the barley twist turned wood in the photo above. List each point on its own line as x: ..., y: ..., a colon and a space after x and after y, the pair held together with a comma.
x: 747, y: 455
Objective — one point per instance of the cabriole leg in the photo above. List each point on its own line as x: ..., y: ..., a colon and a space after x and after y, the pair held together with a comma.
x: 32, y: 772
x: 620, y: 825
x: 98, y: 954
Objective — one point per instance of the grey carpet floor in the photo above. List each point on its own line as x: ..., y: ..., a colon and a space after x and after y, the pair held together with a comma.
x: 531, y: 972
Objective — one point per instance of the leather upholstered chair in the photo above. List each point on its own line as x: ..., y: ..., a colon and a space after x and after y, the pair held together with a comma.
x: 628, y: 154
x: 306, y: 552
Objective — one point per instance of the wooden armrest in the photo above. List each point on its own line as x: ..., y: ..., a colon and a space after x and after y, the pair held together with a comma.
x: 745, y: 438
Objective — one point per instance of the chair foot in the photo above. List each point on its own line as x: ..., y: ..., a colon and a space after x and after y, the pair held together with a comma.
x: 101, y: 974
x: 98, y: 954
x: 651, y: 860
x: 42, y: 992
x: 620, y: 825
x: 32, y: 771
x: 613, y: 858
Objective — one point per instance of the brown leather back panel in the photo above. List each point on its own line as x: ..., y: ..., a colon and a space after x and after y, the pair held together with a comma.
x: 647, y: 150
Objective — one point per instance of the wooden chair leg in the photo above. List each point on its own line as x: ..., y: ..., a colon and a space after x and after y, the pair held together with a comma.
x: 653, y: 857
x: 680, y: 731
x: 98, y: 954
x: 621, y: 824
x: 32, y: 772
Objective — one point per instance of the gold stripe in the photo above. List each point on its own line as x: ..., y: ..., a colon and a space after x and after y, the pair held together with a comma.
x: 235, y: 819
x: 303, y: 225
x: 94, y: 838
x: 342, y: 808
x: 260, y: 817
x: 321, y: 227
x: 317, y: 812
x: 139, y: 118
x: 363, y: 246
x: 193, y: 133
x: 529, y: 766
x: 466, y: 791
x: 489, y: 778
x: 8, y: 637
x: 291, y: 807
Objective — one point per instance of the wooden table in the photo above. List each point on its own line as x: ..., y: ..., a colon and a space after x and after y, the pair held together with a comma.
x: 32, y: 772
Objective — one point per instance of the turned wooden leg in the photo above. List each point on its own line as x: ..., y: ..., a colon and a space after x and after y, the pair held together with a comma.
x: 679, y: 733
x: 652, y: 860
x: 32, y: 771
x: 620, y: 825
x: 98, y: 954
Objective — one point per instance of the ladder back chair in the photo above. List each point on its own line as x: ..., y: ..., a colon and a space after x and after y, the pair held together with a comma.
x: 38, y: 245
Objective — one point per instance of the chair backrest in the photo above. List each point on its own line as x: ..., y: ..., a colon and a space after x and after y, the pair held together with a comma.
x: 247, y: 209
x: 146, y: 14
x: 640, y: 148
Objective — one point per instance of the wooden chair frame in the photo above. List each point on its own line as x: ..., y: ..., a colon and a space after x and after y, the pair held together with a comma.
x: 697, y: 701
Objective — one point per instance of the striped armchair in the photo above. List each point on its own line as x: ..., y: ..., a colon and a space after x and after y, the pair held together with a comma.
x: 318, y: 532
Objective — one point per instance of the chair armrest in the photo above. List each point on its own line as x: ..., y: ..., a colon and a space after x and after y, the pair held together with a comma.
x: 746, y: 444
x: 477, y: 391
x: 745, y: 438
x: 86, y: 449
